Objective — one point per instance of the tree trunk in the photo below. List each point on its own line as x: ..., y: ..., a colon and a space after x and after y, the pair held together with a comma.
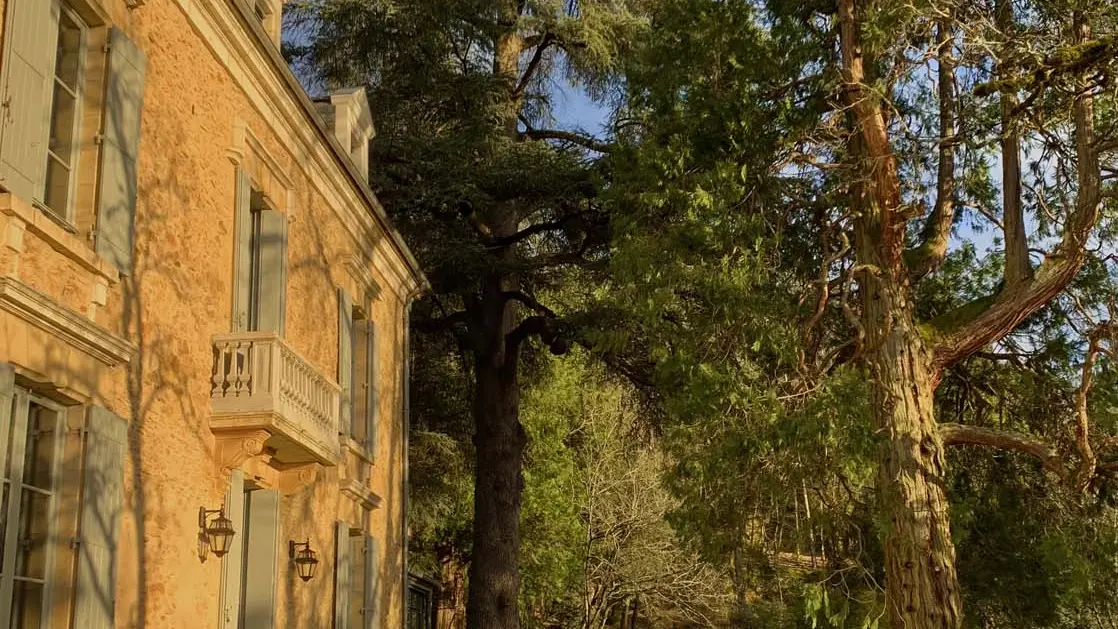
x: 922, y: 586
x: 499, y: 440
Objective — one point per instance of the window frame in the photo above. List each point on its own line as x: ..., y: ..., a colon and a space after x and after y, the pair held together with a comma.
x: 66, y: 214
x: 22, y: 400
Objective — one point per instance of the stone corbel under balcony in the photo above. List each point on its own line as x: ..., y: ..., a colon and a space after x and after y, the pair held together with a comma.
x: 248, y: 452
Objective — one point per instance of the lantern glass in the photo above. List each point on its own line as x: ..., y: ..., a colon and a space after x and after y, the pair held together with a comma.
x: 306, y: 563
x: 220, y: 533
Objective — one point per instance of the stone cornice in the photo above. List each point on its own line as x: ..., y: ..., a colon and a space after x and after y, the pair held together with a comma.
x: 240, y: 43
x: 41, y: 311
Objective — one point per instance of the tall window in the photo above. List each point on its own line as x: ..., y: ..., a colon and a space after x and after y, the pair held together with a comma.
x: 261, y: 261
x: 65, y: 105
x: 31, y: 450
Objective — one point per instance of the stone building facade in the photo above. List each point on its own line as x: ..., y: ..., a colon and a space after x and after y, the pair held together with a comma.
x: 202, y: 318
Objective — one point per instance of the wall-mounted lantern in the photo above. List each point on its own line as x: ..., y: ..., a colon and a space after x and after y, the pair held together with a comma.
x: 306, y: 560
x: 218, y: 533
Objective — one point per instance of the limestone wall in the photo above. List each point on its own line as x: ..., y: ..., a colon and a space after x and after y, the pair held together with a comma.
x: 213, y: 100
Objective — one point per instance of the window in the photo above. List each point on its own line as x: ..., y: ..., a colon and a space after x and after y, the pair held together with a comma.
x: 65, y: 107
x: 421, y: 609
x: 261, y: 261
x: 32, y: 445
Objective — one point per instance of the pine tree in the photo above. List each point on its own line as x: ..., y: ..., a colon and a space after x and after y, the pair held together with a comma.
x: 497, y: 206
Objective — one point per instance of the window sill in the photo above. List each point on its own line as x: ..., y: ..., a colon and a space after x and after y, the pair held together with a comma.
x: 358, y: 449
x: 58, y: 236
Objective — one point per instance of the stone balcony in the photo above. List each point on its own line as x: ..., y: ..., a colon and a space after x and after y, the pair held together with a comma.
x: 273, y: 402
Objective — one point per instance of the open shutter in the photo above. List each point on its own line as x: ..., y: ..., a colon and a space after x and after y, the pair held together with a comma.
x: 273, y: 271
x: 261, y: 558
x: 341, y: 575
x: 31, y: 37
x: 372, y: 583
x: 357, y: 582
x: 345, y: 359
x: 363, y: 395
x: 99, y: 529
x: 242, y: 250
x: 372, y: 391
x: 233, y: 561
x: 120, y: 150
x: 7, y: 391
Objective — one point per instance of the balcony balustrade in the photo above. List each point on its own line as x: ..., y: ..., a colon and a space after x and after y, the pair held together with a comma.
x: 261, y: 384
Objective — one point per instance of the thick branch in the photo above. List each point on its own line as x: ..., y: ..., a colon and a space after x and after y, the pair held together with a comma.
x: 1015, y: 303
x: 1087, y: 456
x: 543, y: 326
x: 881, y: 240
x: 545, y: 42
x: 933, y: 248
x: 532, y: 230
x: 530, y: 302
x: 960, y: 434
x: 565, y: 136
x: 1017, y: 267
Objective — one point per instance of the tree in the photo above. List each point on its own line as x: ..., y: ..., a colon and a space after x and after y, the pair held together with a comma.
x: 851, y: 120
x: 496, y: 206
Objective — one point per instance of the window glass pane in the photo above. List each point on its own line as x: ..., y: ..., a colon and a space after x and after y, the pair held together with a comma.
x: 57, y: 193
x: 31, y: 555
x: 67, y: 63
x: 38, y: 460
x: 27, y: 608
x: 62, y: 124
x: 254, y: 282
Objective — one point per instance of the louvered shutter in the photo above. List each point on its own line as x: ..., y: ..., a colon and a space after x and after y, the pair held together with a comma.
x: 372, y: 389
x: 242, y: 251
x: 261, y: 558
x: 28, y: 64
x: 356, y: 582
x: 7, y: 392
x: 345, y: 359
x: 120, y: 149
x: 272, y: 271
x: 106, y: 439
x: 372, y: 583
x: 341, y: 575
x: 232, y: 563
x: 364, y: 395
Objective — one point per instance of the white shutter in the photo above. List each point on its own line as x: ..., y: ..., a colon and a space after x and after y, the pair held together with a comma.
x: 345, y: 359
x: 372, y: 583
x: 364, y: 395
x: 28, y: 65
x: 242, y: 250
x: 7, y: 392
x: 261, y: 559
x: 357, y: 582
x: 372, y: 390
x: 120, y: 149
x: 341, y: 575
x: 273, y: 271
x: 232, y: 563
x: 99, y: 529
